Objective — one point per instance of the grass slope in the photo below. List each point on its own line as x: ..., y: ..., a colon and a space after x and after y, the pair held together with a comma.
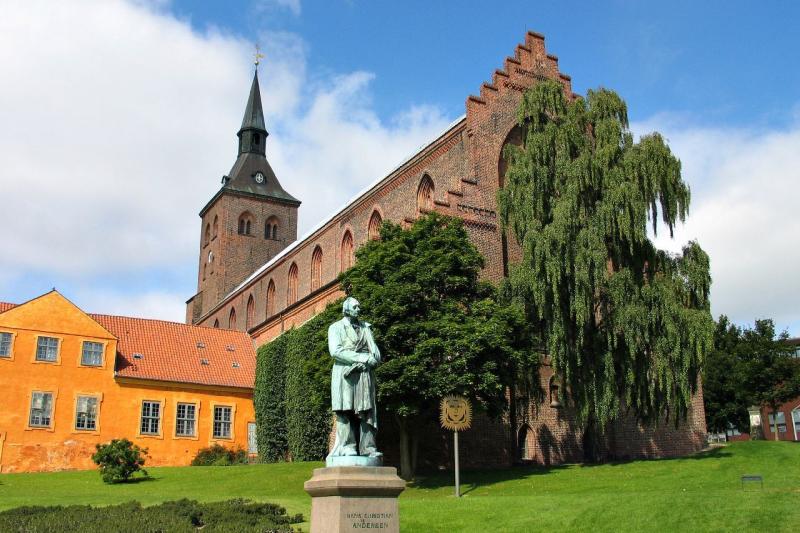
x: 699, y: 493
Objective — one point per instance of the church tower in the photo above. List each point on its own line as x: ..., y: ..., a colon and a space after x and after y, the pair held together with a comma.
x: 248, y: 221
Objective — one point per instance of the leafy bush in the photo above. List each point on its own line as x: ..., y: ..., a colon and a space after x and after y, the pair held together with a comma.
x: 218, y: 455
x: 176, y: 516
x: 119, y: 460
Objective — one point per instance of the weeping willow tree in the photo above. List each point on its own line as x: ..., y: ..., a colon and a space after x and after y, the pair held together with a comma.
x: 626, y: 325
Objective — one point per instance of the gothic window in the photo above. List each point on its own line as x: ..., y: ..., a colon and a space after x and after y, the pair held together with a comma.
x: 516, y: 137
x: 425, y: 194
x: 271, y: 228
x: 245, y: 223
x: 207, y: 235
x: 346, y: 251
x: 291, y: 288
x: 251, y: 312
x: 316, y: 268
x: 374, y: 228
x: 232, y: 319
x: 270, y: 298
x: 215, y: 227
x: 216, y: 322
x: 553, y: 385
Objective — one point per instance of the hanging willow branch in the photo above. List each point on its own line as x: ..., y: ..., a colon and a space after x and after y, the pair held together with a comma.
x: 625, y: 324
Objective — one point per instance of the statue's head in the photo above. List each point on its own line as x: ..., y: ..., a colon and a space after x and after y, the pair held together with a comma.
x: 351, y: 307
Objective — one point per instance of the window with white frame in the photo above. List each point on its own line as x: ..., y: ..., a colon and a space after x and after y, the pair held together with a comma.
x: 5, y: 344
x: 151, y: 418
x: 47, y: 349
x: 92, y: 354
x: 41, y: 409
x: 86, y: 413
x: 796, y: 422
x: 781, y: 418
x: 222, y: 421
x: 185, y: 420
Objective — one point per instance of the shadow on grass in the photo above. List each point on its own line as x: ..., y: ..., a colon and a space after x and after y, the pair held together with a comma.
x: 482, y: 478
x: 135, y: 480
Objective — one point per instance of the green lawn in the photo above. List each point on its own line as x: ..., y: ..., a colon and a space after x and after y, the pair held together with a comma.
x: 699, y: 493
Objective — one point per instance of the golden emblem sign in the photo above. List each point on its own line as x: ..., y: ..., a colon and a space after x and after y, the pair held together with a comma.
x: 455, y: 413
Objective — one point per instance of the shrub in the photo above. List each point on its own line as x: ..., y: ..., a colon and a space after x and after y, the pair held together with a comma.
x: 218, y: 455
x: 119, y: 460
x: 175, y: 516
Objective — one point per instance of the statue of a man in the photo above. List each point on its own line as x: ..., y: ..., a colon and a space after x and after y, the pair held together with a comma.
x: 355, y: 356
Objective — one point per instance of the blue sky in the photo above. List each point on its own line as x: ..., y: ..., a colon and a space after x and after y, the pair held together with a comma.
x: 731, y: 62
x: 142, y: 100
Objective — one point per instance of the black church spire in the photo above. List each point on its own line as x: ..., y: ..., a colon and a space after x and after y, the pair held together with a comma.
x: 253, y: 133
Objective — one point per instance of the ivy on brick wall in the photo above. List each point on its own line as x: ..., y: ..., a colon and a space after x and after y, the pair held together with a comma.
x: 270, y: 400
x: 292, y: 392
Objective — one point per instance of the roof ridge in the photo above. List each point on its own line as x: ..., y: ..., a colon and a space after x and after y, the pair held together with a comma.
x: 172, y: 322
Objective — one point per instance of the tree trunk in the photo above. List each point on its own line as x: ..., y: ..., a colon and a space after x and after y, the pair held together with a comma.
x: 591, y: 441
x: 775, y: 423
x: 512, y: 419
x: 406, y: 466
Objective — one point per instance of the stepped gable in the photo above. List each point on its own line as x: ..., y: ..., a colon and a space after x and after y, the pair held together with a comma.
x: 173, y: 352
x: 457, y: 173
x: 530, y: 63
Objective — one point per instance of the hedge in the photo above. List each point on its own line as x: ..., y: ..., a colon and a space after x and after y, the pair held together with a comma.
x: 292, y: 391
x: 179, y: 516
x: 269, y: 400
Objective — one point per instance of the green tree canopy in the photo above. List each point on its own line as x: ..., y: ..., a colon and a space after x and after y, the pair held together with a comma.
x: 626, y: 324
x: 748, y: 366
x: 439, y: 329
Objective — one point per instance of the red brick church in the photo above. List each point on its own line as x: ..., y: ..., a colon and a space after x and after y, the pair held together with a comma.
x: 255, y: 275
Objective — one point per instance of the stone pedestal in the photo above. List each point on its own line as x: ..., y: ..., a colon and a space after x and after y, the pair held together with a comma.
x: 354, y: 498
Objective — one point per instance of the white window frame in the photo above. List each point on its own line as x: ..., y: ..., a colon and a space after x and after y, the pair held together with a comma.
x: 179, y: 419
x: 775, y: 423
x: 50, y: 412
x: 102, y: 346
x: 796, y: 422
x: 221, y: 423
x: 95, y: 421
x: 150, y: 418
x: 10, y: 353
x: 57, y: 354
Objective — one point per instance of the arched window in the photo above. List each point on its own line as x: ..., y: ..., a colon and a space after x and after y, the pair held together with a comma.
x: 232, y: 319
x: 251, y: 312
x: 216, y: 322
x: 516, y: 137
x: 346, y: 251
x: 271, y: 228
x: 553, y: 386
x: 425, y: 194
x: 245, y: 223
x: 210, y: 262
x: 374, y: 228
x: 316, y: 268
x: 215, y: 227
x: 205, y: 270
x: 271, y: 298
x: 207, y: 235
x: 291, y: 287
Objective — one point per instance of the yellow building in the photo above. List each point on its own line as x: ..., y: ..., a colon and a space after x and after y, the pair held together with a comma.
x: 71, y: 380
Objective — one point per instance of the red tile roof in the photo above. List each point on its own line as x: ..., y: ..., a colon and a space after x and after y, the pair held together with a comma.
x: 5, y: 306
x: 176, y: 352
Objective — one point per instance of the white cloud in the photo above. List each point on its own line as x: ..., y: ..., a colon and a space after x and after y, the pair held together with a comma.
x: 119, y: 120
x: 744, y: 214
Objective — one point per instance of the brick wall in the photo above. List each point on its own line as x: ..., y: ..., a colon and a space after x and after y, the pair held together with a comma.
x: 464, y: 164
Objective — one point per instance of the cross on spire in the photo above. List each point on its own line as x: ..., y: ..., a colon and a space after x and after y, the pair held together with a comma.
x: 258, y: 56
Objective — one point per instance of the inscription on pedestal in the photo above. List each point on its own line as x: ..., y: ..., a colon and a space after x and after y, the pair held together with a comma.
x: 354, y: 499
